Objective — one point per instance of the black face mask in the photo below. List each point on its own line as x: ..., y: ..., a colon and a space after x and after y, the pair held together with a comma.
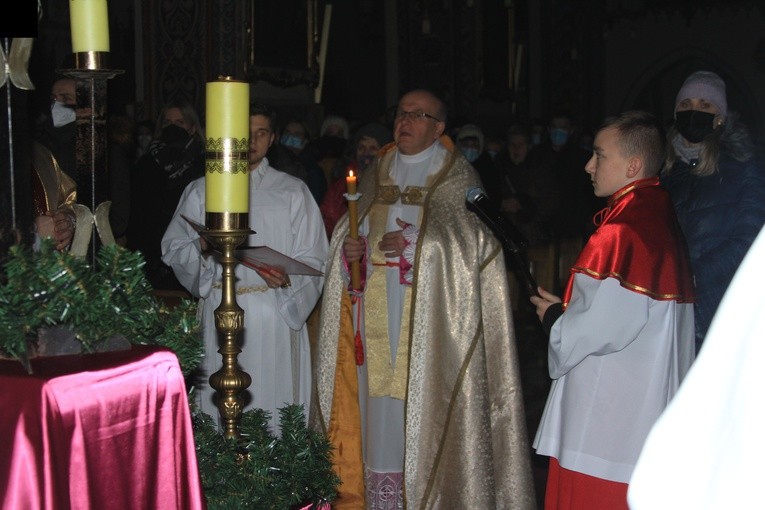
x: 694, y: 125
x: 175, y: 136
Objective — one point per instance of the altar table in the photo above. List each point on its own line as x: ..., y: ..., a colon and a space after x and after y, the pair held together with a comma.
x: 99, y: 431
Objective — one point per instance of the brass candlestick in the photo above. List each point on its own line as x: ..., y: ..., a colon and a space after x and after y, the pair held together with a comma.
x: 91, y: 137
x: 226, y: 231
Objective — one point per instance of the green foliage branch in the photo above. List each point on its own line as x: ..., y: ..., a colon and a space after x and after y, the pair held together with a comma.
x: 47, y: 288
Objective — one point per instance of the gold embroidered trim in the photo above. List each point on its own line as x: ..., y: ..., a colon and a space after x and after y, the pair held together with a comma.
x: 245, y: 290
x: 626, y: 284
x: 385, y: 379
x: 412, y: 195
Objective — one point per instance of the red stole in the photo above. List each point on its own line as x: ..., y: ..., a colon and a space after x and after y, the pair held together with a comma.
x: 638, y: 242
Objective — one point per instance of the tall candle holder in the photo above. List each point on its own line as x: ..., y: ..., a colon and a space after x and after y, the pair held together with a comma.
x: 226, y: 231
x: 91, y: 134
x: 226, y: 223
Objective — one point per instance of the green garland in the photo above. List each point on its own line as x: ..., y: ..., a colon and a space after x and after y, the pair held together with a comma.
x: 263, y: 472
x: 47, y: 288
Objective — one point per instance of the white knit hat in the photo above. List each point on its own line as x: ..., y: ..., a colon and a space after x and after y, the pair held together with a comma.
x: 471, y: 130
x: 704, y: 85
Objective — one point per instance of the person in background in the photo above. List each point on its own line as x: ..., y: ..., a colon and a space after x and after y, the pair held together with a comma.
x: 421, y: 360
x: 330, y: 147
x: 470, y: 142
x: 717, y: 185
x: 493, y: 146
x: 284, y: 217
x: 57, y: 130
x: 621, y: 339
x: 54, y: 167
x: 334, y: 125
x: 368, y: 141
x: 564, y: 159
x: 530, y: 197
x: 144, y: 134
x: 538, y: 133
x: 175, y: 158
x: 54, y: 154
x: 290, y: 156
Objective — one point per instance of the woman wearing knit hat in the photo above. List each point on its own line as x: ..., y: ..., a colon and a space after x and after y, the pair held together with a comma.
x: 717, y: 185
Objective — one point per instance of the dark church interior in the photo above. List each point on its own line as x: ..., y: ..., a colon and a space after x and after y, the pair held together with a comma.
x: 495, y: 63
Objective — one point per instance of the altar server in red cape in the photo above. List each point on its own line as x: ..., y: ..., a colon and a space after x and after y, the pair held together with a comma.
x: 622, y: 337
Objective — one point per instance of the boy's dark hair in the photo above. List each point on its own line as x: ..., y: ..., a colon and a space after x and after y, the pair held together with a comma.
x: 640, y: 134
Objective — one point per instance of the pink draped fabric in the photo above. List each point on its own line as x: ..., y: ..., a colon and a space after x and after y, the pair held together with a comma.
x: 108, y: 430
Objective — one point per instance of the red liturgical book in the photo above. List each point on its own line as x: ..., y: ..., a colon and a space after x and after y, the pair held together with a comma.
x: 263, y: 257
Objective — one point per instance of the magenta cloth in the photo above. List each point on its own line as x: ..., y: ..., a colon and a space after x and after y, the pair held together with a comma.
x: 108, y: 430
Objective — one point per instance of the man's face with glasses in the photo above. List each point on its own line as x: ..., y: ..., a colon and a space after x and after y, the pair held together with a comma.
x: 417, y: 125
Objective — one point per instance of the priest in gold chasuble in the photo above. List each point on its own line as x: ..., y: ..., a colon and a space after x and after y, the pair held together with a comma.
x: 417, y: 372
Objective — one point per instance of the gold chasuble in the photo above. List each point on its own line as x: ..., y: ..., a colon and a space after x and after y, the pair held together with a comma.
x: 466, y: 444
x: 384, y: 379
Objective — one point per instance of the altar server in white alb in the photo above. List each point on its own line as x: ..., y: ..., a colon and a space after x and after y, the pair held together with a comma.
x: 622, y: 338
x: 285, y: 217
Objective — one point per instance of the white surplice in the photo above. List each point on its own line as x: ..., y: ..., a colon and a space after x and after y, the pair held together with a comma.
x: 275, y: 345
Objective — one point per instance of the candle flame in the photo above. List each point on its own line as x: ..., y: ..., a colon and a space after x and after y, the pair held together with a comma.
x: 350, y: 173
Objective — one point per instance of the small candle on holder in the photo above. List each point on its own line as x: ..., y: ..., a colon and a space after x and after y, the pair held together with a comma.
x: 353, y: 225
x: 227, y: 182
x: 89, y: 24
x: 350, y: 182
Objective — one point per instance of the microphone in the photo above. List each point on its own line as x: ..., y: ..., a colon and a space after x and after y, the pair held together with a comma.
x: 512, y: 239
x: 490, y: 215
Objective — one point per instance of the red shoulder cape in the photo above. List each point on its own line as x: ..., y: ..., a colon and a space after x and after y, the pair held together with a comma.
x: 638, y: 242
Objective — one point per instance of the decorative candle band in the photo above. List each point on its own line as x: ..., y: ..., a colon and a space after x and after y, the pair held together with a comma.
x: 226, y: 221
x: 227, y: 160
x: 236, y: 156
x: 93, y: 60
x: 220, y: 163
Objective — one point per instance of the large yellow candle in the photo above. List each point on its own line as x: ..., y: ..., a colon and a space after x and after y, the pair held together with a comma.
x: 228, y: 131
x: 89, y: 22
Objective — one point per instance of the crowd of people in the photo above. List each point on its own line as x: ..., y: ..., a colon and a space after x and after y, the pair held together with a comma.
x: 413, y: 373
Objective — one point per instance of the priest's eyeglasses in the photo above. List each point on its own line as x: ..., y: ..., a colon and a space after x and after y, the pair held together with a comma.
x: 414, y: 116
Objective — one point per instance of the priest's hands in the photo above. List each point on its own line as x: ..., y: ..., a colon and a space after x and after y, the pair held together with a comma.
x: 393, y: 243
x: 353, y: 249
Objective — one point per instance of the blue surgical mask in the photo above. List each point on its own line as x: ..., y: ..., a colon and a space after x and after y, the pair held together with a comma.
x: 292, y: 141
x: 62, y: 114
x: 536, y: 139
x: 558, y: 136
x: 493, y: 154
x: 470, y: 153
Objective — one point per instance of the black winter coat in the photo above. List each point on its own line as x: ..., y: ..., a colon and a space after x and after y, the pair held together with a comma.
x: 720, y: 216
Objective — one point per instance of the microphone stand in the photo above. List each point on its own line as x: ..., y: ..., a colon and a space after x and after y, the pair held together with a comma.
x: 515, y: 252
